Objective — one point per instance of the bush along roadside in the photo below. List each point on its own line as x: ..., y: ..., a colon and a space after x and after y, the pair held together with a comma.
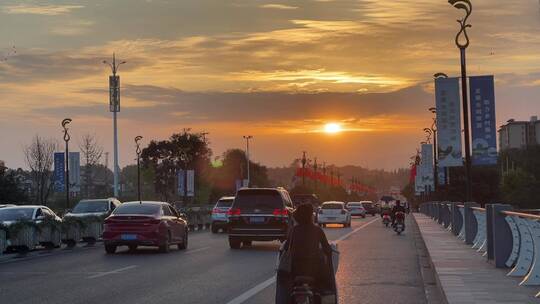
x: 48, y: 233
x: 72, y: 228
x: 93, y: 229
x: 21, y: 235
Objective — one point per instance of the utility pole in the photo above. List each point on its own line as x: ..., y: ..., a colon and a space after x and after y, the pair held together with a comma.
x: 467, y: 6
x: 247, y: 138
x: 114, y: 107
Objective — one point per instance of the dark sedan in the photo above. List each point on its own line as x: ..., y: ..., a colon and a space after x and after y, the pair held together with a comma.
x: 145, y: 223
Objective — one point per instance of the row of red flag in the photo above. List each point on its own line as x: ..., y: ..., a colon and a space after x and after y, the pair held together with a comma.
x: 332, y: 180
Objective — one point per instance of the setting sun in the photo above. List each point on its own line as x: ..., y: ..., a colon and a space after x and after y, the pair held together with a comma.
x: 332, y: 128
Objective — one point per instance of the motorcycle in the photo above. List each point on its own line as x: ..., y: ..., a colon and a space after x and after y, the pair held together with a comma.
x: 303, y: 291
x: 386, y: 219
x: 399, y: 225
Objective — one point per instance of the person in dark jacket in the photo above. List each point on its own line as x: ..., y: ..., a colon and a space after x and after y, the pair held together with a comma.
x: 308, y: 244
x: 397, y: 208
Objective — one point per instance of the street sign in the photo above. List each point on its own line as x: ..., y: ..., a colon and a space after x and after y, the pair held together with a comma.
x: 191, y: 183
x: 448, y: 122
x: 114, y: 93
x: 181, y: 182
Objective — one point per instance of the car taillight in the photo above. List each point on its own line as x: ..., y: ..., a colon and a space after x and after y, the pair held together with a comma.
x: 216, y: 210
x: 234, y: 211
x: 281, y: 212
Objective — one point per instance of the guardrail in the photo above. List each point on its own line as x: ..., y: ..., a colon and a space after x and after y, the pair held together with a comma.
x: 507, y: 238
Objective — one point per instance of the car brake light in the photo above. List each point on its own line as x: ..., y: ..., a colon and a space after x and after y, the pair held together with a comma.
x: 234, y: 211
x: 280, y: 212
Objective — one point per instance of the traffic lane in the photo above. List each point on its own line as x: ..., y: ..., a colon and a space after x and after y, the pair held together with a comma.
x: 333, y: 233
x: 379, y: 266
x: 145, y: 275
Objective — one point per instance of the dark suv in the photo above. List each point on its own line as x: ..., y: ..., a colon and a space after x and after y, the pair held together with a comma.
x: 259, y: 214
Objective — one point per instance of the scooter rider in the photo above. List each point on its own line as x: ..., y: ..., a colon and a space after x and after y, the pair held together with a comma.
x: 395, y: 209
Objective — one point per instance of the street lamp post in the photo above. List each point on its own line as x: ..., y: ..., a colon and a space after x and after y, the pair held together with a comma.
x: 304, y: 161
x: 315, y: 167
x: 435, y: 150
x: 138, y: 151
x: 462, y: 45
x: 67, y: 137
x: 247, y: 138
x: 114, y: 107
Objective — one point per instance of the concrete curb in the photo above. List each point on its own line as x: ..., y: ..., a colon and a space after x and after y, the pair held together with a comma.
x: 425, y: 276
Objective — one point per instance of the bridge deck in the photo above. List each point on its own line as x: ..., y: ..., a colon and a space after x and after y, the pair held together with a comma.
x: 465, y: 276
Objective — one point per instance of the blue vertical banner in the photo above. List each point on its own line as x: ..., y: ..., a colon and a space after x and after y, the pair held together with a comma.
x: 74, y: 172
x: 427, y: 167
x: 59, y: 182
x: 181, y: 182
x: 484, y: 140
x: 447, y: 101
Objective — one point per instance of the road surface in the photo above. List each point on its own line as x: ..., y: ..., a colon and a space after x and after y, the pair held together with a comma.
x: 376, y: 266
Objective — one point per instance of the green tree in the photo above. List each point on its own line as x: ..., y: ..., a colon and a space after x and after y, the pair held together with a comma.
x: 10, y: 190
x: 181, y: 151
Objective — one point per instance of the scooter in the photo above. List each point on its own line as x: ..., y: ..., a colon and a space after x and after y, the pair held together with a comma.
x: 386, y: 219
x: 399, y: 225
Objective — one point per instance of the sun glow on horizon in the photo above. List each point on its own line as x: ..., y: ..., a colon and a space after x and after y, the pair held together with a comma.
x: 332, y: 128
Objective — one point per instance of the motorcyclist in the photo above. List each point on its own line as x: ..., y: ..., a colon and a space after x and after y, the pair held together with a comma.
x: 307, y: 240
x: 385, y: 209
x: 397, y: 208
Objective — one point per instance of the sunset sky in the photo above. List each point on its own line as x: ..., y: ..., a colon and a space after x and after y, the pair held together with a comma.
x: 277, y: 70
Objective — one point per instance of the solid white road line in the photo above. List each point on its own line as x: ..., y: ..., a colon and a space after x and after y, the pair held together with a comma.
x: 255, y: 290
x: 102, y: 274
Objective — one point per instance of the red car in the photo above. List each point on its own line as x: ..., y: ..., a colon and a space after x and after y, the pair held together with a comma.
x: 147, y: 224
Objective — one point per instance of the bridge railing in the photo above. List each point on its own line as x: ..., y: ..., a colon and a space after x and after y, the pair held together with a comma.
x: 507, y: 238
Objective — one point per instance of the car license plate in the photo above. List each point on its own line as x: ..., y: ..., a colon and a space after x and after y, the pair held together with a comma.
x: 256, y: 220
x: 129, y: 237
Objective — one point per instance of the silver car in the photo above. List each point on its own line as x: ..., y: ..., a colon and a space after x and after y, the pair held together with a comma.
x: 94, y: 207
x: 35, y: 213
x: 219, y: 213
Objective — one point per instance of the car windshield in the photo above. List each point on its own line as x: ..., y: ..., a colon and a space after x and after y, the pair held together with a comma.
x: 225, y: 203
x: 258, y: 199
x: 332, y: 206
x: 16, y: 214
x: 91, y: 206
x: 143, y: 209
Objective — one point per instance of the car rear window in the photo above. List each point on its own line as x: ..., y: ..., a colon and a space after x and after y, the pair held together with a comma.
x: 332, y: 206
x: 258, y: 199
x: 225, y: 203
x: 354, y: 204
x: 91, y: 206
x: 145, y: 209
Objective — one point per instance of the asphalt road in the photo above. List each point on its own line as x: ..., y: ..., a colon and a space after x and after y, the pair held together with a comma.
x: 376, y: 266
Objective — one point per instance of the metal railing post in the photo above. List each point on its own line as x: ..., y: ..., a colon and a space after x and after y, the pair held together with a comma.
x: 489, y: 231
x: 456, y: 219
x: 502, y: 235
x: 470, y: 223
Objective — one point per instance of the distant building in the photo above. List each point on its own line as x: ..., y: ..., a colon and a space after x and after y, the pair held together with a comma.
x: 519, y: 134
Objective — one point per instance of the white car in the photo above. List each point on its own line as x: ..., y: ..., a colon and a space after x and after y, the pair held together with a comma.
x: 94, y: 207
x: 34, y: 213
x: 219, y: 213
x: 356, y: 208
x: 334, y: 213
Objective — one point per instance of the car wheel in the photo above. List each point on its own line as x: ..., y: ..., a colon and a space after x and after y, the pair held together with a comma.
x: 234, y: 243
x: 246, y: 243
x: 132, y: 248
x: 165, y: 247
x: 110, y: 249
x: 184, y: 244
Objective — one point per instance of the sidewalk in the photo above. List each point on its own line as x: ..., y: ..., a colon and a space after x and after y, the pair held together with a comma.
x: 465, y: 277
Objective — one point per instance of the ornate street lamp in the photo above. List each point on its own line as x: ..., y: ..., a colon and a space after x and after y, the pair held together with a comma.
x: 67, y: 137
x: 462, y: 42
x: 247, y: 138
x: 138, y: 151
x: 304, y: 161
